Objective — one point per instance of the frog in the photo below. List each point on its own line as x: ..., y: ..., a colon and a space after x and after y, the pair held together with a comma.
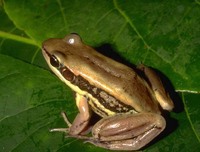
x: 128, y: 100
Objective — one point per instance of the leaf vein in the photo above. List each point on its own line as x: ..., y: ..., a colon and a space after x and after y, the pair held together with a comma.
x: 30, y: 108
x: 120, y: 31
x: 103, y: 16
x: 31, y: 134
x: 17, y: 38
x: 127, y: 19
x: 62, y: 12
x: 68, y: 143
x: 189, y: 119
x: 34, y: 55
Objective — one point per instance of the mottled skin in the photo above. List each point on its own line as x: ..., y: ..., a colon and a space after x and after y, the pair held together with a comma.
x: 117, y: 131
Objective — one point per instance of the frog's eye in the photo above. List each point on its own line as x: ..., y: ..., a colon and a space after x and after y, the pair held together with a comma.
x: 73, y: 39
x: 54, y: 61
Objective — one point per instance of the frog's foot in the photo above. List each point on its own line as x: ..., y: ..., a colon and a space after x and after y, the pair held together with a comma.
x: 65, y: 130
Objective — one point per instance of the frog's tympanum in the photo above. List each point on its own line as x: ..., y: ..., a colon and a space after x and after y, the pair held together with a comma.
x: 129, y: 104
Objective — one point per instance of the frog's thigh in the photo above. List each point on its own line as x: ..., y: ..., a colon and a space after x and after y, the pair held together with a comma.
x: 82, y: 119
x: 158, y: 88
x: 127, y: 131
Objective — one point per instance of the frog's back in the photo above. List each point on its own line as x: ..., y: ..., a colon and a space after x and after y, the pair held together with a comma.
x: 115, y: 78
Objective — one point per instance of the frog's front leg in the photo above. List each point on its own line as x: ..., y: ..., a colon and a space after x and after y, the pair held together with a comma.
x: 127, y: 131
x: 81, y: 121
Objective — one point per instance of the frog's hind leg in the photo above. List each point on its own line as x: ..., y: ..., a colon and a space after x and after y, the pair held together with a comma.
x: 127, y: 131
x: 156, y: 84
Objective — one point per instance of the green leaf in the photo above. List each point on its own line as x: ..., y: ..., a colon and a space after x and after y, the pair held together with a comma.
x: 161, y: 34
